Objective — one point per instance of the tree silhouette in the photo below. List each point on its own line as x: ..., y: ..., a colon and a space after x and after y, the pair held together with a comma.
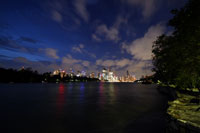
x: 177, y: 57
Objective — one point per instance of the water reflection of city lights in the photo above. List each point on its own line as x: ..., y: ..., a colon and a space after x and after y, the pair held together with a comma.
x: 82, y: 89
x: 111, y: 93
x: 60, y: 99
x: 101, y: 95
x: 61, y: 89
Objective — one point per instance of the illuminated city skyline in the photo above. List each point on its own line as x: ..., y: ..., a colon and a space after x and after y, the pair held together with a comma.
x: 106, y: 75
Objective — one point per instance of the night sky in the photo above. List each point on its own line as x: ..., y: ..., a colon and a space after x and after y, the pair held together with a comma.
x: 82, y: 34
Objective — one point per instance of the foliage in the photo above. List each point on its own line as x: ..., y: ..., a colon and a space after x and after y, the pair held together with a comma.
x: 23, y: 75
x: 177, y: 57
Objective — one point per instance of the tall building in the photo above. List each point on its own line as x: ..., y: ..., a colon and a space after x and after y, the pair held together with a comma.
x: 56, y: 72
x: 92, y: 75
x: 78, y: 74
x: 110, y: 76
x: 83, y: 74
x: 71, y: 72
x: 127, y: 73
x: 22, y: 68
x: 60, y: 72
x: 105, y: 74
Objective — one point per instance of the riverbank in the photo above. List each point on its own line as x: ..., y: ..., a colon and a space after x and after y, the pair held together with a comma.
x: 183, y: 113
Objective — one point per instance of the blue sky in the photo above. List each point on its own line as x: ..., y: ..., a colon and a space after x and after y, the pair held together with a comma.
x: 83, y: 34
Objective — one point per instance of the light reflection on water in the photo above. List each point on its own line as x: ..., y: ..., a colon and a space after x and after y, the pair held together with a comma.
x: 112, y: 93
x: 70, y: 86
x: 101, y: 95
x: 75, y: 107
x: 61, y: 99
x: 82, y: 88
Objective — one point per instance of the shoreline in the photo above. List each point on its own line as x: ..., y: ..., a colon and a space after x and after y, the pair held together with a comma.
x: 179, y: 111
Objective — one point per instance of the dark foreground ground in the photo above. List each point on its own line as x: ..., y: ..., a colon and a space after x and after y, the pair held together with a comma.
x: 82, y: 107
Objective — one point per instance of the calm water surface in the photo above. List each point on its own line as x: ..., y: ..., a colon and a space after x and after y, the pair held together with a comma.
x: 81, y: 107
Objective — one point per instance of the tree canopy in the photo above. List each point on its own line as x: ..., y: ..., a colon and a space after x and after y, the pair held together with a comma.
x: 177, y: 57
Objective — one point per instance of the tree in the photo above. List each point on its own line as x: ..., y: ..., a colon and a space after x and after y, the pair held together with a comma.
x: 177, y: 57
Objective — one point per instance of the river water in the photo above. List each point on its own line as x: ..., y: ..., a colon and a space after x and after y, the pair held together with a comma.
x: 91, y: 107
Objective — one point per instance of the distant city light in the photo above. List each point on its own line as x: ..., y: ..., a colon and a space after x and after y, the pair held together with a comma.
x: 106, y: 75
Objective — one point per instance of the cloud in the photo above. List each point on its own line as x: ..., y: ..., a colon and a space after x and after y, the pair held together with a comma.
x: 86, y: 63
x: 66, y: 63
x: 141, y: 48
x: 50, y: 52
x: 148, y: 6
x: 18, y: 62
x: 105, y: 63
x: 77, y: 64
x: 140, y: 68
x: 81, y: 49
x: 16, y: 47
x: 120, y: 66
x: 28, y: 39
x: 55, y: 9
x: 109, y: 33
x: 9, y: 43
x: 81, y: 46
x: 56, y: 16
x: 90, y: 54
x: 69, y: 60
x: 61, y: 12
x: 119, y: 63
x: 22, y: 60
x: 123, y: 62
x: 78, y: 49
x: 96, y: 38
x: 81, y: 10
x: 119, y: 21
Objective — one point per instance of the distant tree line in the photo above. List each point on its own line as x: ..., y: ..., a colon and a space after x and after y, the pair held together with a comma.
x: 29, y: 76
x: 177, y: 56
